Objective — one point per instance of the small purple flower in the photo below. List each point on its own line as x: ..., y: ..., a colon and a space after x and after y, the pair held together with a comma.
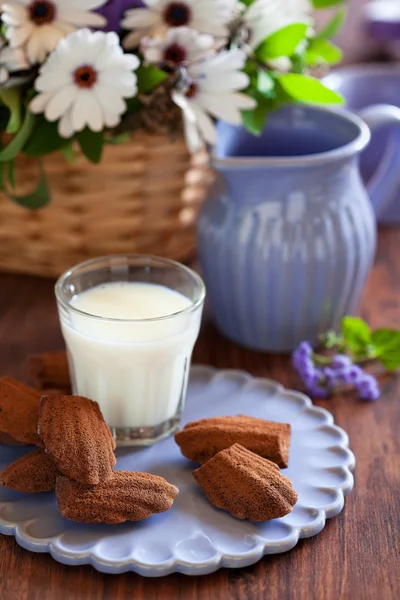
x: 312, y: 376
x: 355, y: 373
x: 349, y: 375
x: 302, y: 363
x: 330, y: 376
x: 302, y: 359
x: 368, y: 388
x: 305, y: 349
x: 340, y: 361
x: 317, y: 391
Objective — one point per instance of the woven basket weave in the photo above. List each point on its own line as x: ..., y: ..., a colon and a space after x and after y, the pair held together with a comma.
x: 144, y: 197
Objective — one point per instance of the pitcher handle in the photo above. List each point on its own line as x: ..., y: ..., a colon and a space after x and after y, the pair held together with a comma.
x: 385, y: 182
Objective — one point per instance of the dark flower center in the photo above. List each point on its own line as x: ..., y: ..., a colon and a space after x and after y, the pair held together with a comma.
x: 85, y: 77
x: 177, y: 14
x: 192, y: 90
x: 42, y: 12
x: 175, y: 54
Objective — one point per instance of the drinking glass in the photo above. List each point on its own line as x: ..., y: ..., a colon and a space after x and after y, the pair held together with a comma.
x: 136, y: 369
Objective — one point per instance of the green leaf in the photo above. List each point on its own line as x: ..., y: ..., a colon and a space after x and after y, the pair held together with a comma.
x: 326, y: 3
x: 282, y: 43
x: 12, y: 99
x: 117, y: 140
x: 36, y: 199
x: 331, y: 339
x: 44, y: 139
x: 250, y: 68
x: 303, y: 88
x: 91, y: 144
x: 133, y: 105
x: 4, y: 117
x: 387, y: 347
x: 20, y: 139
x: 254, y: 120
x: 321, y: 52
x: 298, y: 62
x: 11, y: 173
x: 356, y: 334
x: 334, y: 25
x: 68, y: 151
x: 148, y: 78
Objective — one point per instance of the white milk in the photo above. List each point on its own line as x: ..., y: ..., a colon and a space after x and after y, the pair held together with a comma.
x: 136, y: 370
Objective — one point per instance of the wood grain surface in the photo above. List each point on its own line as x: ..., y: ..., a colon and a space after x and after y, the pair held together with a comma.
x: 357, y: 555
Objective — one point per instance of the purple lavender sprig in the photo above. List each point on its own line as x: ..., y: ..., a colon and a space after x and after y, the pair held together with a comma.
x: 323, y: 376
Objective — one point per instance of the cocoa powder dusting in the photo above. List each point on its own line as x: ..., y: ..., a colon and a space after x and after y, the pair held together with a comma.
x: 246, y: 485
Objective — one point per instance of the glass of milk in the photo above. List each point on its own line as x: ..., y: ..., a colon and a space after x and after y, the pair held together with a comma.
x: 130, y: 323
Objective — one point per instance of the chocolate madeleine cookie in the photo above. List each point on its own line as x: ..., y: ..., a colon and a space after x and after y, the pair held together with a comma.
x: 201, y: 440
x: 33, y: 473
x: 19, y: 412
x: 78, y: 439
x: 125, y: 496
x: 50, y: 370
x: 246, y: 485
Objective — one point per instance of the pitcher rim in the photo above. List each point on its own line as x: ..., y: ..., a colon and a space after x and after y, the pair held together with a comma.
x: 343, y: 152
x: 373, y: 68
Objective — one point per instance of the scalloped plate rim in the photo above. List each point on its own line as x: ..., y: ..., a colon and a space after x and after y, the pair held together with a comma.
x: 48, y: 545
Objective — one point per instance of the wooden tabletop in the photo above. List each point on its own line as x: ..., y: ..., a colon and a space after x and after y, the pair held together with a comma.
x: 356, y: 556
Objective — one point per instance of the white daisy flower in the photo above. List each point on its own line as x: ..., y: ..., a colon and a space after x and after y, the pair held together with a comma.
x: 84, y: 82
x: 264, y: 17
x: 180, y: 47
x: 38, y: 25
x: 11, y: 61
x: 213, y: 92
x: 207, y: 16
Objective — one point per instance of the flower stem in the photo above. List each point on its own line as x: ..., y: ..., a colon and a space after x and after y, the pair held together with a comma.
x: 321, y: 360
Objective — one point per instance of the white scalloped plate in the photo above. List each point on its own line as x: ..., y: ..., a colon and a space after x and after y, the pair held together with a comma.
x: 193, y: 537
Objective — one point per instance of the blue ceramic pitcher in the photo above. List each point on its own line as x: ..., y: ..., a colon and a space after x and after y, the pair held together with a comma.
x: 364, y: 86
x: 287, y: 235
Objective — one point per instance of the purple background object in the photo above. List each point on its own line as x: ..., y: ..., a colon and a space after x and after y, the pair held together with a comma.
x: 193, y: 537
x: 384, y: 30
x: 114, y: 10
x: 383, y: 20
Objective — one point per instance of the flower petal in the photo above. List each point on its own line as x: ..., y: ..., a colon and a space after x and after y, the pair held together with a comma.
x: 95, y: 116
x: 81, y: 18
x: 109, y: 100
x: 140, y: 18
x: 19, y: 35
x: 192, y: 135
x: 80, y: 110
x: 51, y: 82
x: 111, y: 119
x: 36, y: 47
x: 65, y: 128
x: 39, y: 102
x: 205, y: 125
x: 60, y: 102
x: 224, y: 106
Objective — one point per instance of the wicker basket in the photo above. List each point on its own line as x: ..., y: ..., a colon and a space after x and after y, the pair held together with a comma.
x: 144, y: 197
